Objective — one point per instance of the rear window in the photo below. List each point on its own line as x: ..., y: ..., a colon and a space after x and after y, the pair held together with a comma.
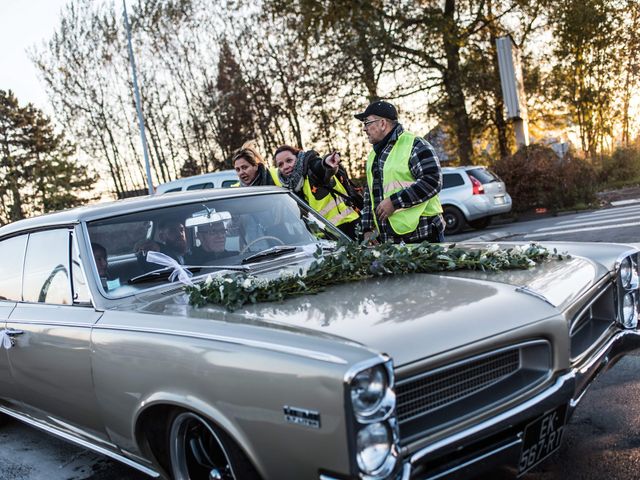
x: 174, y: 190
x: 451, y: 180
x: 483, y: 175
x: 200, y: 186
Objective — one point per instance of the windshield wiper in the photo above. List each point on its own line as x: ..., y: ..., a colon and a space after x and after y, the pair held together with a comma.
x: 165, y: 273
x: 269, y: 253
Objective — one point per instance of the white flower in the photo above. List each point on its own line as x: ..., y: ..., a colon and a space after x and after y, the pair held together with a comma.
x: 228, y: 280
x: 375, y: 253
x: 493, y: 248
x: 221, y: 288
x: 208, y: 280
x: 247, y: 283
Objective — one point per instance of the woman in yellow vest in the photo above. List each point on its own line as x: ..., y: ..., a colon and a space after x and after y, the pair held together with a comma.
x: 315, y: 180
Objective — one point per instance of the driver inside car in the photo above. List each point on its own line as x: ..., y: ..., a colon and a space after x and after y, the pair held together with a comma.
x: 213, y: 239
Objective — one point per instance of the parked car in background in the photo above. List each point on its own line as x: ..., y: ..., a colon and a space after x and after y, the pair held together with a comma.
x: 222, y: 179
x: 472, y: 195
x: 398, y: 377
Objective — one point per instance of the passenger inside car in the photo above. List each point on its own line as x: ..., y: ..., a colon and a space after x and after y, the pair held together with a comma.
x: 213, y: 239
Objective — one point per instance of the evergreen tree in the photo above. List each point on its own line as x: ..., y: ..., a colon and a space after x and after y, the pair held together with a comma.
x: 37, y: 173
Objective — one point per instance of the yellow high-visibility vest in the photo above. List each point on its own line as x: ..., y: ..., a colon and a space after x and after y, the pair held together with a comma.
x: 397, y: 176
x: 333, y: 209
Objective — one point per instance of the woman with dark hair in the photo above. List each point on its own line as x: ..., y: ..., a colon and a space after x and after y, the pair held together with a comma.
x: 250, y: 166
x: 321, y: 183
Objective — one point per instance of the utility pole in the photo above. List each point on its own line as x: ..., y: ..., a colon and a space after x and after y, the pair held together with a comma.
x: 513, y: 88
x: 136, y: 92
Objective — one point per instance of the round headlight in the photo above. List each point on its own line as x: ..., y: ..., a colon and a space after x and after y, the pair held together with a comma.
x: 368, y: 388
x: 626, y: 272
x: 629, y: 316
x: 374, y: 446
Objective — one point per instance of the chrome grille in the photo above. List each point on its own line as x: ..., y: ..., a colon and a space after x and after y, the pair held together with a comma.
x: 432, y: 391
x: 433, y: 399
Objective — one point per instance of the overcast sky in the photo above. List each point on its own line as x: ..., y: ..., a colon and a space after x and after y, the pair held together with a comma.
x: 23, y: 24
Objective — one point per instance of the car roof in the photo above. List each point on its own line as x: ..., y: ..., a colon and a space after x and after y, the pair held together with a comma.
x: 130, y: 205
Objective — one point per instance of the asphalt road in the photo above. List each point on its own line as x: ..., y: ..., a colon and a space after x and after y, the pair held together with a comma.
x: 601, y: 442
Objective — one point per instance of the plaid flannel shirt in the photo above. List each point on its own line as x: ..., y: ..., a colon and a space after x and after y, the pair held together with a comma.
x: 425, y: 168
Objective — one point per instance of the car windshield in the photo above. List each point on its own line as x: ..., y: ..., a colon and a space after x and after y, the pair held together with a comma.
x: 130, y: 251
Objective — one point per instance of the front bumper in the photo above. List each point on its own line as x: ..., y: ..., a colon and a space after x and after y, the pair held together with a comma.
x: 498, y: 440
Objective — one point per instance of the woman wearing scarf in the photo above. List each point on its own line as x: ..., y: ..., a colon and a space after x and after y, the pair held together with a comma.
x: 250, y: 166
x: 314, y: 180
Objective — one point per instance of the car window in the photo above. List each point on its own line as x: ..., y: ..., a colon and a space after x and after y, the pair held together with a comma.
x: 206, y: 234
x: 46, y: 274
x: 483, y: 175
x: 229, y: 183
x: 119, y: 238
x: 179, y: 189
x: 200, y: 186
x: 452, y: 180
x: 11, y: 261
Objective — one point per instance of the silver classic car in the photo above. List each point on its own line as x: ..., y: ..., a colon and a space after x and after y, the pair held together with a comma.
x: 394, y: 377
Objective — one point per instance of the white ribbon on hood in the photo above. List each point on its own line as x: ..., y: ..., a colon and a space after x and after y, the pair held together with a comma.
x: 179, y: 271
x: 5, y: 340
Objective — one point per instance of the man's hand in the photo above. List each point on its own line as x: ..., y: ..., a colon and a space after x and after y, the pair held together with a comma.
x: 385, y: 209
x: 370, y: 238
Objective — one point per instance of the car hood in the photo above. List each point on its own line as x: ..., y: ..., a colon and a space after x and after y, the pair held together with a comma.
x: 410, y: 316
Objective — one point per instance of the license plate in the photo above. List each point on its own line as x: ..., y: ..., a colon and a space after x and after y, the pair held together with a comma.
x: 541, y: 438
x: 499, y: 200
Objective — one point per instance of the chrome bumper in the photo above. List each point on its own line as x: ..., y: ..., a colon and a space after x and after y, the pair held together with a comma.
x: 568, y: 389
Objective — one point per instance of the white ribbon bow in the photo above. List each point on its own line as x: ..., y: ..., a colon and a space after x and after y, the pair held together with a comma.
x: 5, y: 340
x: 179, y: 271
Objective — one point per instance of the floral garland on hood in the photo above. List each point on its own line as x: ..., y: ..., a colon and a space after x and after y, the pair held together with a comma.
x: 353, y: 262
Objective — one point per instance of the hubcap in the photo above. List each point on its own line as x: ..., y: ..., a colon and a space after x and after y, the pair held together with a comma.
x: 197, y: 452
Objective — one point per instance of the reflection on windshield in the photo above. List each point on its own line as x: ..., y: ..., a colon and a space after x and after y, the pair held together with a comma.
x: 216, y: 233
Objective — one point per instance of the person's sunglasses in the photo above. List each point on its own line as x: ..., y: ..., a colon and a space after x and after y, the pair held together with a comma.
x: 369, y: 122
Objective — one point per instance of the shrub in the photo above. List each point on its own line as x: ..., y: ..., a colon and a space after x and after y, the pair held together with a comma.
x: 537, y: 178
x: 623, y: 167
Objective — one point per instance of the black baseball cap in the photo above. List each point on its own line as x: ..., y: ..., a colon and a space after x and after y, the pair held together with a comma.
x: 380, y: 108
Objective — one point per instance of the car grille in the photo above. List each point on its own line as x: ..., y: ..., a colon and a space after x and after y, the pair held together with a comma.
x: 593, y: 321
x: 431, y: 399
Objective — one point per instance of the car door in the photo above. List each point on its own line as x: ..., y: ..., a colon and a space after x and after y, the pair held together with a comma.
x: 11, y: 261
x: 51, y: 359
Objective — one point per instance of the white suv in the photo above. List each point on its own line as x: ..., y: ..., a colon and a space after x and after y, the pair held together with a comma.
x: 222, y: 179
x: 472, y: 195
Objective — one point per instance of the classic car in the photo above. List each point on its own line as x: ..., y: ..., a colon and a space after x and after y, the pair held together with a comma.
x: 393, y: 377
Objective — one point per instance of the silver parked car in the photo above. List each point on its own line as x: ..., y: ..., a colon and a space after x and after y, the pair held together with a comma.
x: 471, y: 195
x: 221, y: 179
x: 397, y: 377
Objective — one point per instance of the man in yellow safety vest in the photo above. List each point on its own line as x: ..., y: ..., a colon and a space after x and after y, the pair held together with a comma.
x: 401, y: 202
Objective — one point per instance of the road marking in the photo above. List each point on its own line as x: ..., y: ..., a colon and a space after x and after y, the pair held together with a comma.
x: 592, y: 222
x: 625, y: 202
x: 574, y: 230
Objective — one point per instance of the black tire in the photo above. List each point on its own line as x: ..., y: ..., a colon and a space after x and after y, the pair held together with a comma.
x: 454, y: 220
x: 198, y: 450
x: 480, y: 223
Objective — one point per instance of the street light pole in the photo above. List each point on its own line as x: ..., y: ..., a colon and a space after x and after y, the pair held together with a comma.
x: 136, y: 91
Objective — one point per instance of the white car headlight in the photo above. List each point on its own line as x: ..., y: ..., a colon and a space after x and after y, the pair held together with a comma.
x: 626, y: 272
x: 374, y: 446
x: 629, y: 311
x: 368, y: 389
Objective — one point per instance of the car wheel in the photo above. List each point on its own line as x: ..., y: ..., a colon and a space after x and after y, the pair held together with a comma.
x: 454, y: 220
x: 200, y: 451
x: 480, y: 223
